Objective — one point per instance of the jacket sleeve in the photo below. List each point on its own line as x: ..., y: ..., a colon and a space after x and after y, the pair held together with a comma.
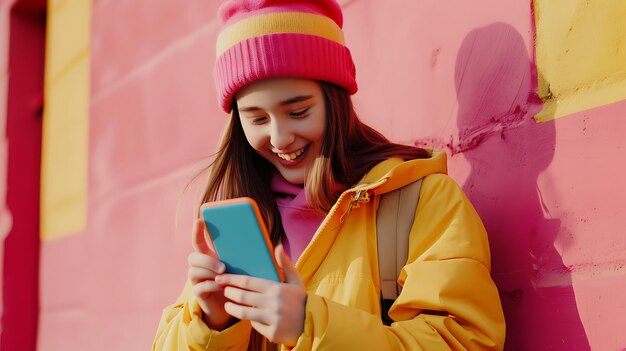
x: 181, y: 328
x: 448, y: 301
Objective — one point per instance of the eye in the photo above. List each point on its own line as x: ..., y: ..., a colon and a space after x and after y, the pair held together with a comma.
x: 299, y: 113
x: 258, y: 120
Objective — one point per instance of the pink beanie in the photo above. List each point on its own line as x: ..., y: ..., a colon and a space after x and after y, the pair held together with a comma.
x: 280, y: 38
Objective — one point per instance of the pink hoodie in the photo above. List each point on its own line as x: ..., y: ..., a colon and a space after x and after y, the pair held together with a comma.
x: 300, y: 220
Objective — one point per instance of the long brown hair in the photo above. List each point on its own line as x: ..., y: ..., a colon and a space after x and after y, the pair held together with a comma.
x: 349, y: 150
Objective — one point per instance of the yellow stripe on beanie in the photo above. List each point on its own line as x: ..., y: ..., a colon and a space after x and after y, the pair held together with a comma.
x: 281, y: 22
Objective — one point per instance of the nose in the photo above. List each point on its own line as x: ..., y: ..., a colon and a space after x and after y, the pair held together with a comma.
x: 281, y: 135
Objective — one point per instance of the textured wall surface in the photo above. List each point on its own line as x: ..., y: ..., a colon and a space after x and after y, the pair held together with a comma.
x: 463, y: 77
x: 455, y: 75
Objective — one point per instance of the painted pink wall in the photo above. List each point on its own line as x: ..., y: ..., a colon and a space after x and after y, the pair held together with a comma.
x: 457, y: 75
x: 152, y: 120
x: 461, y: 76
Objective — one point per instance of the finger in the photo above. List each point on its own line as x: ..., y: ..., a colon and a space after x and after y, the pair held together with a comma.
x: 199, y: 241
x: 249, y: 313
x: 246, y: 282
x: 292, y: 276
x: 197, y: 274
x: 196, y: 259
x: 249, y: 298
x: 203, y: 289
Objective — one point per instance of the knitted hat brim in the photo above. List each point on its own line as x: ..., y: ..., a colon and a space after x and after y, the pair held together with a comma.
x: 282, y: 55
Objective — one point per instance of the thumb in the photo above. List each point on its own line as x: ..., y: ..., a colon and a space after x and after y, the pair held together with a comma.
x: 292, y: 276
x: 201, y: 242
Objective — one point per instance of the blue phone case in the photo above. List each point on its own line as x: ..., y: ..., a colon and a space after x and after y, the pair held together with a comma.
x: 239, y: 240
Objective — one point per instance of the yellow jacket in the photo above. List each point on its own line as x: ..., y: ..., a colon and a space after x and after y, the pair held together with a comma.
x: 448, y: 300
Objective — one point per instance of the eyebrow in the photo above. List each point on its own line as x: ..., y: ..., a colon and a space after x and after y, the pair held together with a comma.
x: 289, y: 101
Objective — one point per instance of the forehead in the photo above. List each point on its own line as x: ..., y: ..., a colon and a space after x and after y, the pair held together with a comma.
x: 268, y: 93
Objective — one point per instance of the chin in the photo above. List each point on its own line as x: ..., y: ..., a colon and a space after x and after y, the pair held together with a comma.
x: 297, y: 179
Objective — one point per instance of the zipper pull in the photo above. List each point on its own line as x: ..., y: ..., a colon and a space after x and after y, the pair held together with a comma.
x: 345, y: 214
x: 353, y: 201
x: 364, y: 197
x: 361, y: 197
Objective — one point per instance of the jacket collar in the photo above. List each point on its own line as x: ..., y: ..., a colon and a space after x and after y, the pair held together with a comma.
x: 386, y: 176
x: 395, y: 173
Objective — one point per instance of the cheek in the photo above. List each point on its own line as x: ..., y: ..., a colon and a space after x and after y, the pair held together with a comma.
x: 320, y: 132
x: 318, y: 129
x: 255, y: 138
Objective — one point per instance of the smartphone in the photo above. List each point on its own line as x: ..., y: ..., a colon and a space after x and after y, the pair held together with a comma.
x: 240, y: 238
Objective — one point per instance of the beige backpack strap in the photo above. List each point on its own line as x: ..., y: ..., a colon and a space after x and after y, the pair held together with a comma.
x: 394, y: 219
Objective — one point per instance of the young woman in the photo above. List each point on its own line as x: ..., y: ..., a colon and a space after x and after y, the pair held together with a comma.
x: 294, y: 144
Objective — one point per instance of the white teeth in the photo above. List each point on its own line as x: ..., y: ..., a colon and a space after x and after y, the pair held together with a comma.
x: 291, y: 156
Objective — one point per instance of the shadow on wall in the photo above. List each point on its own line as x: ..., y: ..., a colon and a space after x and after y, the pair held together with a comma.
x: 496, y: 87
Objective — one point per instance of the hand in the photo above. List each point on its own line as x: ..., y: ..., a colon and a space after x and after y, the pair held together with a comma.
x: 204, y: 266
x: 275, y: 310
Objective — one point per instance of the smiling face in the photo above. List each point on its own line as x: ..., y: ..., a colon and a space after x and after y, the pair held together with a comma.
x: 284, y: 120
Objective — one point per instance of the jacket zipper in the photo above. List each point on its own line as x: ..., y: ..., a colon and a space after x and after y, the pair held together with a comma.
x: 362, y: 195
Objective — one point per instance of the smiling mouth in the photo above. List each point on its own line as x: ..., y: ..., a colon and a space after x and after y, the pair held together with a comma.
x: 292, y: 156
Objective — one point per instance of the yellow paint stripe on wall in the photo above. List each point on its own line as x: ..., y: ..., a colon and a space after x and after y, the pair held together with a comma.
x: 581, y: 54
x: 66, y: 115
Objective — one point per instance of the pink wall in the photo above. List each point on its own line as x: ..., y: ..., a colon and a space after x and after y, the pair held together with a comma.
x: 549, y: 194
x: 455, y: 75
x: 150, y: 126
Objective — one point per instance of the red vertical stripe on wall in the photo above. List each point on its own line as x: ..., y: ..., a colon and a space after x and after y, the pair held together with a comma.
x: 20, y: 276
